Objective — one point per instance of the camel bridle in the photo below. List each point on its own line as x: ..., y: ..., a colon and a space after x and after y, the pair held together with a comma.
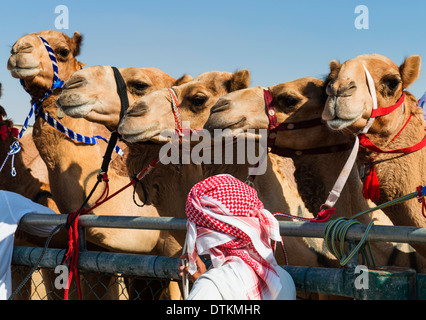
x: 382, y: 111
x: 36, y: 107
x: 274, y: 127
x: 176, y: 111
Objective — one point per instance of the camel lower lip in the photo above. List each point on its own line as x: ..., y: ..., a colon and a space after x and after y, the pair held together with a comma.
x: 139, y: 137
x: 24, y: 72
x: 235, y: 125
x: 70, y: 107
x: 339, y: 124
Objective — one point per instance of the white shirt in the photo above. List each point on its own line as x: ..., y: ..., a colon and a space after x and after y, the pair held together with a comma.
x: 13, y: 207
x: 223, y: 283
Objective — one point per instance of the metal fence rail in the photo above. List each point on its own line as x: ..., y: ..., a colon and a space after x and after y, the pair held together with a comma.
x: 394, y: 283
x: 412, y: 235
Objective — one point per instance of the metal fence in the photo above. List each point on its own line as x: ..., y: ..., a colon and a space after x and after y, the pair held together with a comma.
x: 118, y: 276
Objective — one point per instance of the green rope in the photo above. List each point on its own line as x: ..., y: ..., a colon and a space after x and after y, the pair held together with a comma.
x: 336, y: 230
x: 388, y: 204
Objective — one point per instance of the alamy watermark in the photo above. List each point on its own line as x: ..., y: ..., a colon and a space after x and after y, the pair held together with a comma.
x: 223, y: 147
x: 361, y: 281
x: 62, y: 20
x: 362, y: 20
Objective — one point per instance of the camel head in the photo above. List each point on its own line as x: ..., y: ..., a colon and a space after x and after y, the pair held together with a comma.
x: 91, y: 93
x: 152, y: 114
x: 30, y: 60
x: 349, y: 104
x: 295, y: 102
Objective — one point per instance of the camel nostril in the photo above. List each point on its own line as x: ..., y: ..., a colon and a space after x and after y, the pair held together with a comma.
x: 328, y: 90
x: 75, y: 83
x: 26, y: 48
x: 220, y: 106
x: 347, y: 91
x: 138, y: 110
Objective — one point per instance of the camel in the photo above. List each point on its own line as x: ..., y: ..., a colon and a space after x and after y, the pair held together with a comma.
x: 170, y: 181
x: 317, y: 167
x: 73, y: 166
x: 90, y: 93
x: 23, y: 183
x: 30, y: 187
x: 152, y: 114
x: 348, y: 108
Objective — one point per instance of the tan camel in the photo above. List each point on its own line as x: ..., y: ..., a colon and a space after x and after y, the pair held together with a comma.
x: 348, y: 108
x: 317, y: 167
x: 73, y: 166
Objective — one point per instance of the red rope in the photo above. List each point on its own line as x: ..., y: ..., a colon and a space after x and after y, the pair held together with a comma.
x: 73, y: 246
x: 322, y: 216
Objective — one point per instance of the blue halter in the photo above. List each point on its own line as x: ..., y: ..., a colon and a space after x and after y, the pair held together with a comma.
x: 36, y: 110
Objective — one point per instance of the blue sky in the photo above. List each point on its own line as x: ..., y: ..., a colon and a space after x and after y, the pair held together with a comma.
x: 277, y: 41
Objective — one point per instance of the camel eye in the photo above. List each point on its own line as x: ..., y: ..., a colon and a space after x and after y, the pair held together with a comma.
x: 392, y: 83
x: 198, y: 100
x: 291, y: 101
x: 138, y: 87
x: 64, y: 53
x: 288, y: 102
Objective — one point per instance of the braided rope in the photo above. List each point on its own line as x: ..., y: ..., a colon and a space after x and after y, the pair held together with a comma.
x: 335, y: 230
x: 37, y: 112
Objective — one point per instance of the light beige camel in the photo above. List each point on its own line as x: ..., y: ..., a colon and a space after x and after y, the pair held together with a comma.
x: 349, y: 106
x: 317, y: 164
x: 91, y: 93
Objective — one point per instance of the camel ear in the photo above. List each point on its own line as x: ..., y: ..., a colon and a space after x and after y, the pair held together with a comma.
x: 240, y: 80
x: 334, y: 68
x: 184, y: 79
x: 2, y: 113
x: 77, y: 39
x: 81, y: 64
x: 410, y: 70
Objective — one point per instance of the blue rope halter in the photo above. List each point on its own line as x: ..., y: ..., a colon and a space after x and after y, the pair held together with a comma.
x: 36, y: 110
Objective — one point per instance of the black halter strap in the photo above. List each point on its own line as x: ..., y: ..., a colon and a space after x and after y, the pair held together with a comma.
x: 122, y: 93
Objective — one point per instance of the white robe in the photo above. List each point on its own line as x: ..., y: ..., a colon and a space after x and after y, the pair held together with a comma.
x: 223, y: 283
x: 12, y: 208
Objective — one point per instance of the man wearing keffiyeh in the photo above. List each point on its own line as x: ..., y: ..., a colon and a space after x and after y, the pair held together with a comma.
x: 227, y: 220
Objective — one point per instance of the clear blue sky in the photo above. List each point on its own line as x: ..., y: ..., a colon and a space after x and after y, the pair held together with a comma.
x: 277, y: 41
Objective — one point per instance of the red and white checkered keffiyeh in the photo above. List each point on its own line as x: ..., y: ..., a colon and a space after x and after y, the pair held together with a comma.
x: 227, y: 220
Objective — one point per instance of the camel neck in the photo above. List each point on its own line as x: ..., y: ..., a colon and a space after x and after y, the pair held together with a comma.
x: 316, y: 175
x: 23, y: 183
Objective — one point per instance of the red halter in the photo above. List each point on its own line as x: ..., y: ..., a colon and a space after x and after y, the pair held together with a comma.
x: 274, y: 127
x: 367, y: 143
x: 371, y: 189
